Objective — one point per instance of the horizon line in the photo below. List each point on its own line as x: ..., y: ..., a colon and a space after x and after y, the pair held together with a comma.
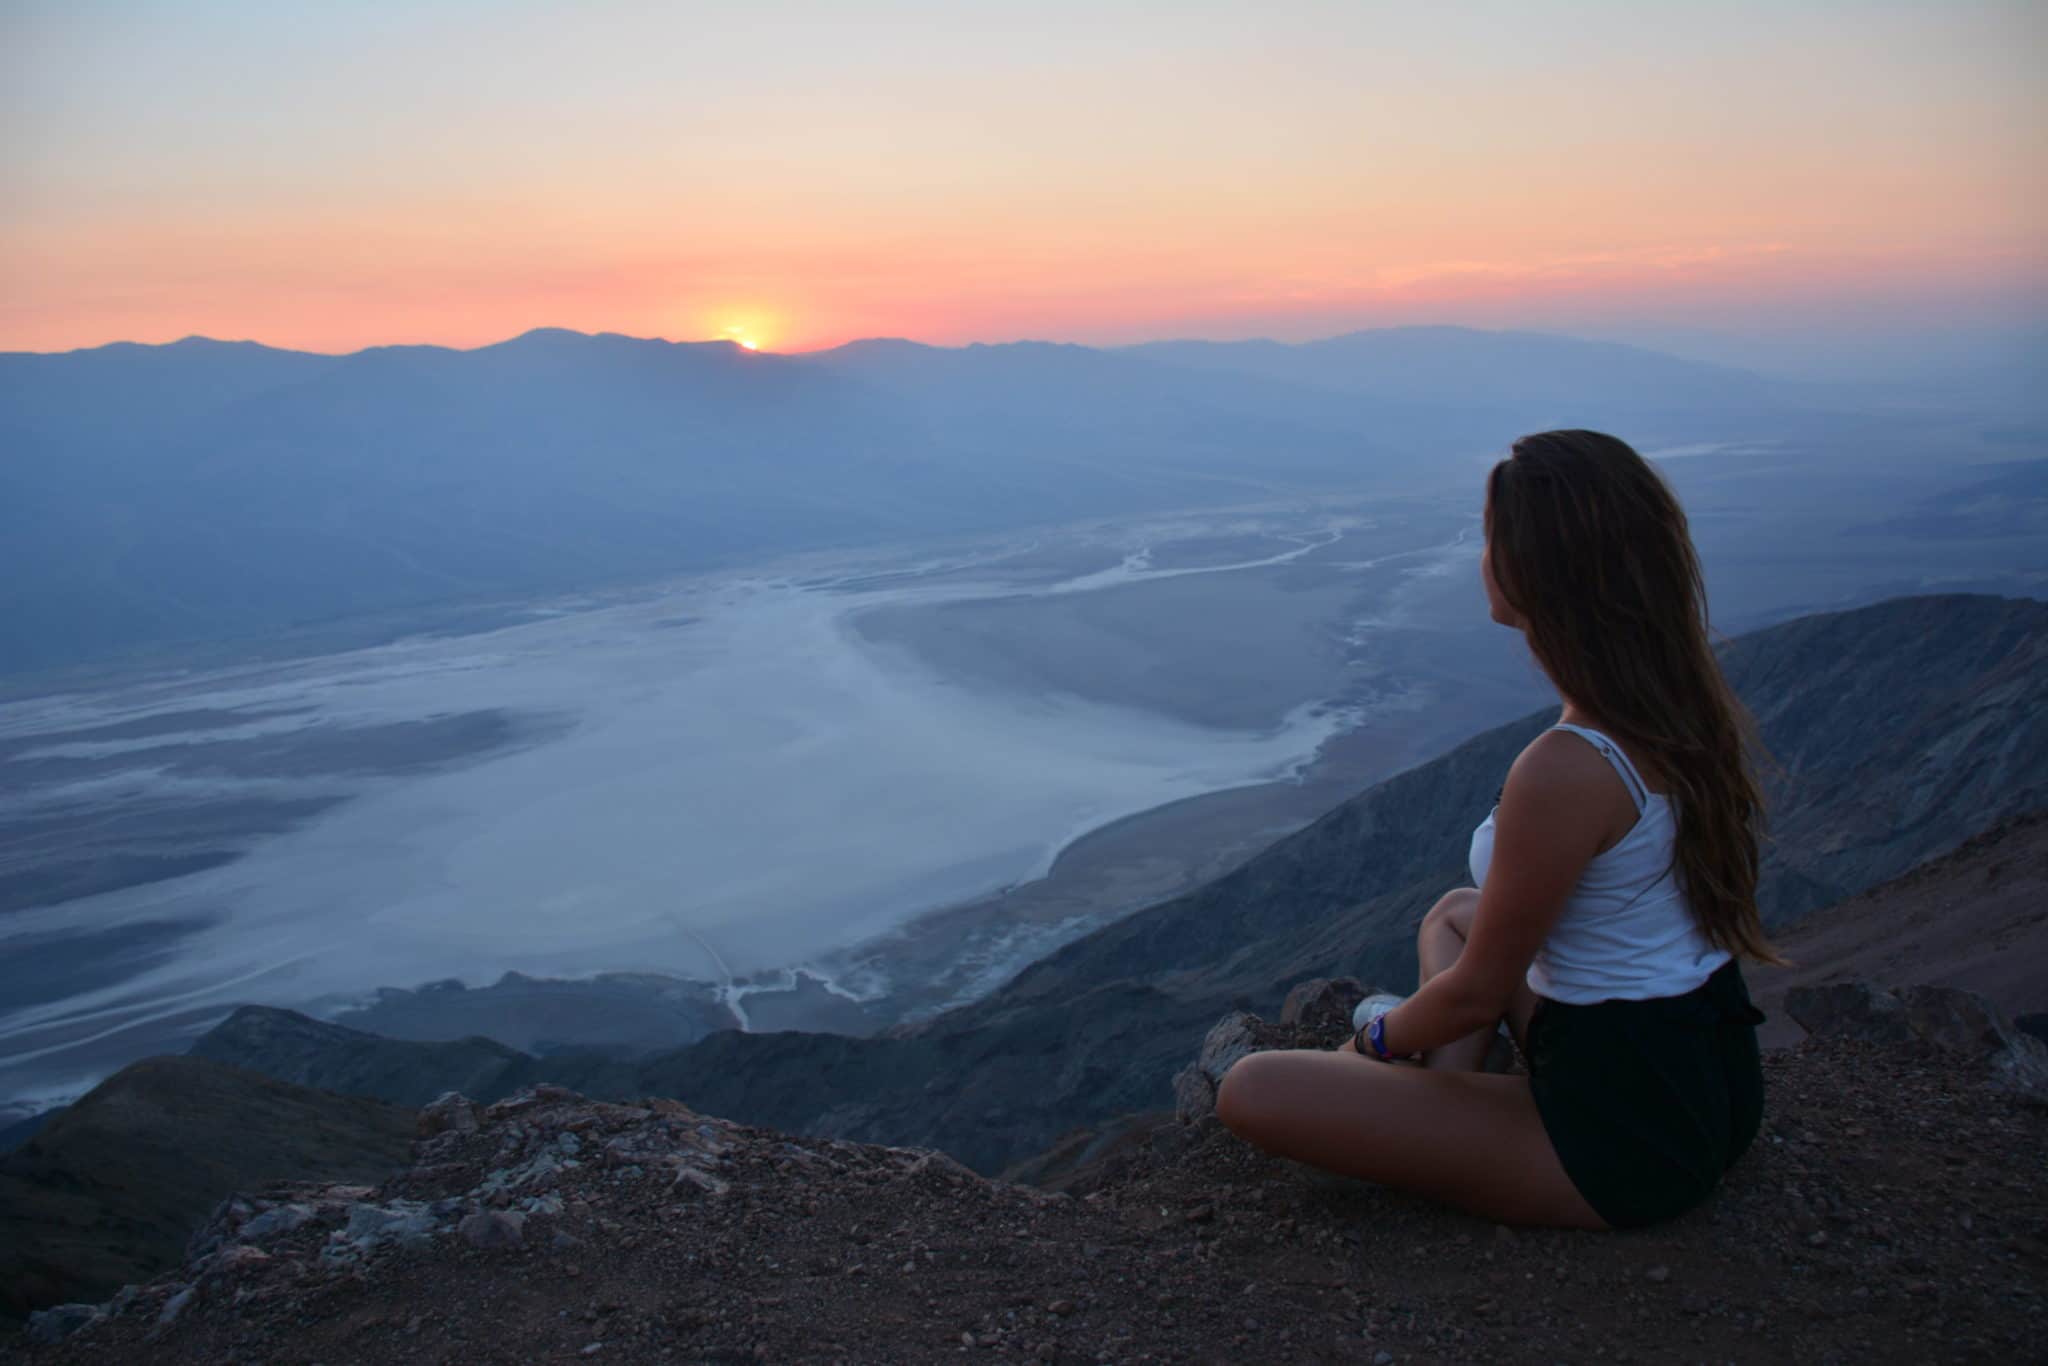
x: 837, y: 346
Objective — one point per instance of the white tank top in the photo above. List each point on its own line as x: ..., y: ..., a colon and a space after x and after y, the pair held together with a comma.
x: 1626, y: 932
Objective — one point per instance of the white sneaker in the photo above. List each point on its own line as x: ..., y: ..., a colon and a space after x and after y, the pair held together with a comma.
x: 1372, y: 1007
x: 1380, y: 1002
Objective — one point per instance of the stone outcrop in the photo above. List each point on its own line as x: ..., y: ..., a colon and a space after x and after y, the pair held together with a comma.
x: 109, y: 1192
x: 451, y: 1112
x: 1315, y: 1014
x: 1961, y: 1024
x: 517, y: 1164
x: 1322, y: 1003
x: 1195, y: 1086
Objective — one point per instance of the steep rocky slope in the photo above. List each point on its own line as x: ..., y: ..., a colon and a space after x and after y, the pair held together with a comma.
x: 109, y: 1190
x: 1975, y: 918
x: 1899, y: 730
x: 548, y: 1227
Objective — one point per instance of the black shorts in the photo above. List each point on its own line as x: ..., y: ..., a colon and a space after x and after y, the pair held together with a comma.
x: 1649, y: 1102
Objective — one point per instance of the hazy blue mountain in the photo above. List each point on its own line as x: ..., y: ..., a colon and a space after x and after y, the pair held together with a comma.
x: 133, y: 393
x: 1449, y: 365
x: 1059, y: 399
x: 207, y: 490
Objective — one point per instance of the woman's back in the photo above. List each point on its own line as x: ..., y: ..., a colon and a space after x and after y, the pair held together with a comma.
x: 1626, y: 932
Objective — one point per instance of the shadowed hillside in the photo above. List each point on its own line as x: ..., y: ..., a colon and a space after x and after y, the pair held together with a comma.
x: 111, y: 1188
x: 1899, y: 730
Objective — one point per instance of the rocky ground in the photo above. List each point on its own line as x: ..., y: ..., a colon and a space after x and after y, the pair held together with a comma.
x: 1893, y: 1209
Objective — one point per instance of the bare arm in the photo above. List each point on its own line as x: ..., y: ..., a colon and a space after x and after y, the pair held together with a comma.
x: 1556, y: 811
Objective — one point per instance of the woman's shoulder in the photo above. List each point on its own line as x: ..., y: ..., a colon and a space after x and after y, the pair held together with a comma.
x: 1560, y: 765
x: 1558, y: 753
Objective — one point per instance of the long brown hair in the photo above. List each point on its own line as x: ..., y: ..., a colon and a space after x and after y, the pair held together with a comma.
x: 1590, y: 546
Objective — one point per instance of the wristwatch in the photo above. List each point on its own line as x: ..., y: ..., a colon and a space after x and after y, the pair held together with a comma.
x: 1372, y: 1038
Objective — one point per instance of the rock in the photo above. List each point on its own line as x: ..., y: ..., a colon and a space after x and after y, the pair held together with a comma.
x: 1230, y: 1038
x: 688, y: 1177
x: 175, y: 1306
x: 669, y: 1108
x: 1974, y: 1027
x: 282, y: 1219
x: 240, y: 1257
x: 530, y: 1099
x: 452, y: 1112
x: 1321, y: 1002
x: 1857, y: 1010
x: 1194, y: 1095
x: 348, y: 1195
x: 544, y: 1168
x: 1657, y: 1275
x: 404, y: 1222
x: 494, y: 1228
x: 1963, y: 1024
x: 60, y: 1321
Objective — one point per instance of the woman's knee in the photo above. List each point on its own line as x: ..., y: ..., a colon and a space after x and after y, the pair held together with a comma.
x: 1453, y: 911
x: 1244, y: 1094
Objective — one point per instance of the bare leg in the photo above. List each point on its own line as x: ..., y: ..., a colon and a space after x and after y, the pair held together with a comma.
x: 1437, y: 944
x: 1471, y: 1139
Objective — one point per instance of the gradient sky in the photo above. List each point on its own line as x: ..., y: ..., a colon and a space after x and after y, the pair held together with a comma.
x: 334, y: 175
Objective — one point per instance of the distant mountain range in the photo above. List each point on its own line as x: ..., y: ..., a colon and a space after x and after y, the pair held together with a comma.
x: 1449, y: 365
x: 207, y: 490
x: 1898, y: 731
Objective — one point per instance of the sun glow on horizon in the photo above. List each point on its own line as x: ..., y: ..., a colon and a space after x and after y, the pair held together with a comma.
x: 1376, y: 166
x: 748, y: 329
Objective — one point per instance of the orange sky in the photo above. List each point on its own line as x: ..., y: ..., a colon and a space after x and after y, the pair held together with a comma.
x: 802, y: 175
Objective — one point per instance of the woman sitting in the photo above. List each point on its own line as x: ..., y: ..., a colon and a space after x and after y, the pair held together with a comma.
x: 1615, y: 888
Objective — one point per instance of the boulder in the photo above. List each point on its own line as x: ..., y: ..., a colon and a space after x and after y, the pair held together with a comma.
x: 1855, y: 1010
x: 1963, y: 1024
x: 1230, y: 1038
x: 278, y: 1219
x: 452, y: 1112
x: 404, y: 1222
x: 1322, y: 1002
x: 60, y: 1321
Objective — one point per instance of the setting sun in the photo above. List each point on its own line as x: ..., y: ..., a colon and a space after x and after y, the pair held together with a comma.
x: 748, y: 329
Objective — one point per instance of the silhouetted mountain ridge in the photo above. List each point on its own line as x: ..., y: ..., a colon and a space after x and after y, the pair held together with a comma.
x: 209, y: 490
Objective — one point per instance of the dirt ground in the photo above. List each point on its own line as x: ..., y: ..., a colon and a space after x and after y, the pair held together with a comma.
x: 1891, y: 1210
